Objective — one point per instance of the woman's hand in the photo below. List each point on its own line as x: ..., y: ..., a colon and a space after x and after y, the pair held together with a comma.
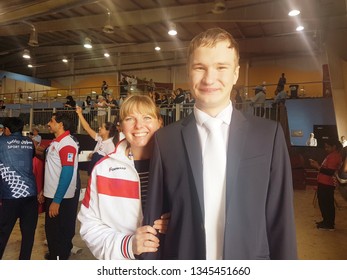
x: 145, y: 240
x: 78, y: 110
x: 162, y: 223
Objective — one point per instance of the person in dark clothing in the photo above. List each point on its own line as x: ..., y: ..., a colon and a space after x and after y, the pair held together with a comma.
x: 70, y: 103
x: 18, y: 192
x: 281, y: 82
x: 178, y: 96
x: 326, y: 183
x: 104, y: 88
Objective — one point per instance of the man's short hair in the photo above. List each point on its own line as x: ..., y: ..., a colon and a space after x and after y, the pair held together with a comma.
x: 64, y: 118
x: 210, y: 38
x: 14, y: 124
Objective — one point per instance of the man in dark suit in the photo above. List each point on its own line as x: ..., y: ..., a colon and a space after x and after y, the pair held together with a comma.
x: 257, y: 221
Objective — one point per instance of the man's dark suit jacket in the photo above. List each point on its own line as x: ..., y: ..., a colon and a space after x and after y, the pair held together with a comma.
x: 259, y: 191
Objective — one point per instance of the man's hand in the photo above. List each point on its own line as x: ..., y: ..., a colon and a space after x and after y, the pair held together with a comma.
x: 40, y: 197
x: 162, y: 223
x: 54, y: 209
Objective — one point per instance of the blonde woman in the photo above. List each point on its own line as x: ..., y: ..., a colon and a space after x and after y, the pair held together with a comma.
x: 112, y: 211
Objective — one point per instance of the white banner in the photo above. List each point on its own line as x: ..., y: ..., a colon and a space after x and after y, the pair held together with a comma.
x: 153, y: 270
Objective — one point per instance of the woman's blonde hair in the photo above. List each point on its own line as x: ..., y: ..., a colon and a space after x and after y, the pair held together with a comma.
x: 138, y: 103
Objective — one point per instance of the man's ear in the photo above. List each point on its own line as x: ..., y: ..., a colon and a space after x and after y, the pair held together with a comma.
x: 236, y: 74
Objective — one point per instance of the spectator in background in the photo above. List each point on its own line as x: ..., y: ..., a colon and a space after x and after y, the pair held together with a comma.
x: 151, y: 86
x: 311, y: 141
x: 281, y: 82
x: 2, y: 105
x: 189, y: 98
x: 87, y: 104
x: 101, y: 110
x: 36, y: 137
x: 326, y: 183
x: 280, y: 97
x: 123, y: 87
x: 178, y: 96
x: 258, y: 101
x: 2, y: 109
x: 70, y: 103
x: 18, y: 192
x: 236, y: 98
x: 1, y: 129
x: 105, y: 138
x: 104, y: 88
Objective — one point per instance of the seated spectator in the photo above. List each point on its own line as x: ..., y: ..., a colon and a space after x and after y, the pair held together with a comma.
x: 178, y: 96
x: 311, y: 141
x: 280, y: 97
x: 70, y: 103
x: 258, y: 101
x: 34, y: 135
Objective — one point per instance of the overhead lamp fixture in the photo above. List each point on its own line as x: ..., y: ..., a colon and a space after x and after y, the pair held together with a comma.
x: 219, y: 7
x: 33, y: 41
x: 87, y: 43
x: 294, y: 13
x: 157, y: 48
x: 65, y: 60
x: 108, y: 28
x: 106, y: 54
x: 300, y: 28
x: 172, y: 29
x: 26, y: 54
x: 30, y: 65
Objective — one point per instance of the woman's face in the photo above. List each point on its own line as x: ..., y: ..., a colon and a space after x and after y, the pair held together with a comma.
x: 139, y: 128
x: 103, y: 132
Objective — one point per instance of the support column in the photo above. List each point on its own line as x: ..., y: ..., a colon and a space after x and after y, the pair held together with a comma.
x: 338, y: 77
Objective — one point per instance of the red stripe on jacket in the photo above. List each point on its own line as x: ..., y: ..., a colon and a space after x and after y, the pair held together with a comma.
x: 117, y: 187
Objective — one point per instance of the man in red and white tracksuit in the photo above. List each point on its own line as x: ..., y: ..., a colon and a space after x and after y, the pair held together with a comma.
x: 60, y: 184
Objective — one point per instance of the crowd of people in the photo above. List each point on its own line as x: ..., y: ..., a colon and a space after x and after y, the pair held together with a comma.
x: 183, y: 191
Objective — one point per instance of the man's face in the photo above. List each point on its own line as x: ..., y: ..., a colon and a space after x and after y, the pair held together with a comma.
x: 212, y: 73
x: 53, y: 125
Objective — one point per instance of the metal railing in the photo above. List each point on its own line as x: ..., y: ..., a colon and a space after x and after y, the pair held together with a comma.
x: 39, y: 117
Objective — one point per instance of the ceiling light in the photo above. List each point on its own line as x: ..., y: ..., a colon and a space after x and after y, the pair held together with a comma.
x: 294, y: 13
x: 65, y: 60
x: 106, y: 54
x: 26, y: 54
x: 300, y: 28
x: 157, y: 48
x: 172, y: 29
x: 87, y: 43
x: 219, y: 7
x: 108, y: 28
x: 30, y: 65
x: 33, y: 41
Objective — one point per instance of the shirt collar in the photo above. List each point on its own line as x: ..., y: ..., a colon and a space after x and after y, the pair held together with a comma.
x: 224, y: 115
x: 58, y: 139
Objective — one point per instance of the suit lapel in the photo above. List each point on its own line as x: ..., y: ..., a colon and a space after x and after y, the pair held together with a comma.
x: 236, y: 145
x: 193, y: 147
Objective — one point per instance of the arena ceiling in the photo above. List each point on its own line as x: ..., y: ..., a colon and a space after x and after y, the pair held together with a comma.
x: 129, y: 30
